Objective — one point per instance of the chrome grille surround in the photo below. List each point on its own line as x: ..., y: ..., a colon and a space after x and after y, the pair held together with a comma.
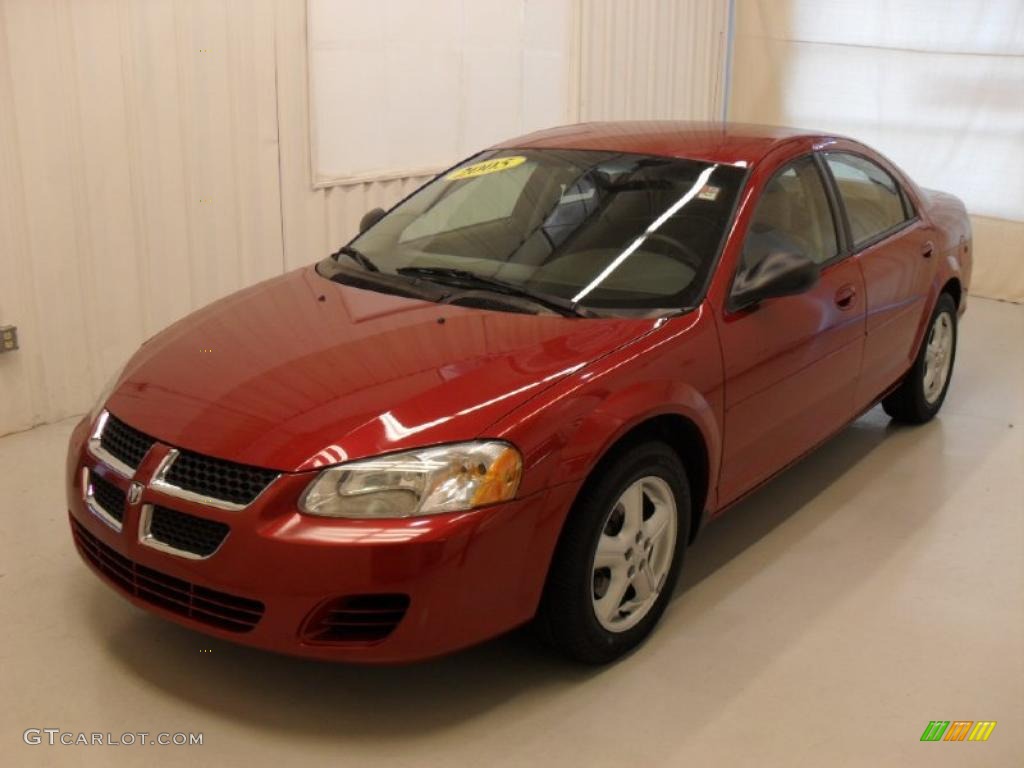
x: 160, y: 481
x: 93, y: 505
x: 161, y: 484
x: 148, y: 539
x: 96, y: 448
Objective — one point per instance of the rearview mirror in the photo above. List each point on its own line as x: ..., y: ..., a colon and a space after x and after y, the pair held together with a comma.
x: 780, y: 273
x: 370, y: 218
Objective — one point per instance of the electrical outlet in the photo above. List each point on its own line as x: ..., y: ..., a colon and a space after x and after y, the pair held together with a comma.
x: 8, y: 338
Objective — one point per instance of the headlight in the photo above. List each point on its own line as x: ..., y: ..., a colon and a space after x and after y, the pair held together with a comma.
x: 450, y: 478
x: 105, y: 393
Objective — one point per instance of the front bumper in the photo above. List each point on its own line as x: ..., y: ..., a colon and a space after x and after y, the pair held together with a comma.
x: 468, y: 576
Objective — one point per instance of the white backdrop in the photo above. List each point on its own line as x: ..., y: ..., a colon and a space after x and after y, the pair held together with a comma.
x: 399, y: 85
x: 937, y: 85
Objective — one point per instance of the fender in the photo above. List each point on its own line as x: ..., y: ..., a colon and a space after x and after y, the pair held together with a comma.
x: 954, y: 260
x: 565, y: 431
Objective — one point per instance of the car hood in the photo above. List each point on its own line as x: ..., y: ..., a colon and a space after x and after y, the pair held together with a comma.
x: 299, y: 372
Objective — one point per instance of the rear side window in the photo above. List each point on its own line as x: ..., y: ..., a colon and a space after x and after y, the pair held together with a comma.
x: 792, y: 215
x: 872, y: 198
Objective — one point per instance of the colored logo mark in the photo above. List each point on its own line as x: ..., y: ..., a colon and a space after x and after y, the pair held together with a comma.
x: 958, y: 730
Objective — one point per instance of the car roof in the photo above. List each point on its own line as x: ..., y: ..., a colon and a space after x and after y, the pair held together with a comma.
x: 718, y: 142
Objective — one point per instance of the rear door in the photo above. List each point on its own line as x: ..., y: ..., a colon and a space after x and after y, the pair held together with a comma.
x: 791, y: 363
x: 894, y: 250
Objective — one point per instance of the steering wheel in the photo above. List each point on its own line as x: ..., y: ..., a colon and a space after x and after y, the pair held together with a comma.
x: 681, y: 251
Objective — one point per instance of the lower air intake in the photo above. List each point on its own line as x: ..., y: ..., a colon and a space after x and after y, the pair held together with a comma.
x: 201, y: 604
x: 356, y: 619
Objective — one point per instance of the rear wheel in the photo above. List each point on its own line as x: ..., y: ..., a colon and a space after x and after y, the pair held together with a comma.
x: 924, y: 389
x: 619, y: 556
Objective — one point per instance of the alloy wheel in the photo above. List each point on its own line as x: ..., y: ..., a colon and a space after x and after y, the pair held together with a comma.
x: 938, y: 357
x: 634, y: 554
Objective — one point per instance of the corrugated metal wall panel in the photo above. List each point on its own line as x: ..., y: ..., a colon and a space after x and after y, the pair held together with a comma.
x: 140, y: 178
x: 139, y: 149
x: 644, y: 59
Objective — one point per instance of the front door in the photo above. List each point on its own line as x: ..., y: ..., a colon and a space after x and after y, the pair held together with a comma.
x: 791, y: 363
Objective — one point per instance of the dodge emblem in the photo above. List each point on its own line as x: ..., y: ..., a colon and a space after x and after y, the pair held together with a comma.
x: 134, y: 493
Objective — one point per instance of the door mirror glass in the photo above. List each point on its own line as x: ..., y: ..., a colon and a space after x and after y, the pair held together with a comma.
x: 780, y: 273
x: 370, y: 218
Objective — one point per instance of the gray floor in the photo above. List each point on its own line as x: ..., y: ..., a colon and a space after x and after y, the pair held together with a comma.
x: 874, y: 587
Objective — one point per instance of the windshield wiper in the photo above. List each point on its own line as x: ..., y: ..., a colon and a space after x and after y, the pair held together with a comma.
x: 466, y: 279
x: 357, y: 256
x: 385, y: 281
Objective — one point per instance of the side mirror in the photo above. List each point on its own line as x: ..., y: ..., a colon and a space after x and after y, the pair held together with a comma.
x: 780, y: 273
x: 370, y: 218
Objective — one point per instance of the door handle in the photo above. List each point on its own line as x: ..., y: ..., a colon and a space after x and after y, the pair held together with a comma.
x: 927, y: 249
x: 845, y: 296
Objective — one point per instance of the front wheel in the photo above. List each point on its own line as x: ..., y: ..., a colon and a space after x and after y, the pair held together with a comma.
x: 924, y: 389
x: 619, y: 556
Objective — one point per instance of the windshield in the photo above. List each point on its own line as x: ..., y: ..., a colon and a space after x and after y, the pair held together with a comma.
x: 599, y: 230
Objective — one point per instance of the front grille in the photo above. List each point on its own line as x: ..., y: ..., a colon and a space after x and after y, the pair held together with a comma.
x: 186, y: 532
x: 124, y: 442
x: 218, y: 479
x: 108, y: 496
x: 201, y: 604
x: 357, y: 618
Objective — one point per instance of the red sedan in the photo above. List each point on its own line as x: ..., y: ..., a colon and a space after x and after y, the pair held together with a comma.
x: 520, y: 393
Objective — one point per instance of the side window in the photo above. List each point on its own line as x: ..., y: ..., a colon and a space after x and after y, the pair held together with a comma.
x: 793, y: 214
x: 873, y: 200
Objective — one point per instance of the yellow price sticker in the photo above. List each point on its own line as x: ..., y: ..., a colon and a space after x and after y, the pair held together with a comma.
x: 487, y: 166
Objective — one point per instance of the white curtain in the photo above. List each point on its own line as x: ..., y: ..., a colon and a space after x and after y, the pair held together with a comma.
x: 937, y: 85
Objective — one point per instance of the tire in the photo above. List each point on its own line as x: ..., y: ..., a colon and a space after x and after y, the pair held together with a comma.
x: 919, y: 397
x: 599, y: 524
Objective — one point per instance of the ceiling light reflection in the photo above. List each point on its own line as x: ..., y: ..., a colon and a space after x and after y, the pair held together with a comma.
x: 698, y: 185
x: 396, y: 430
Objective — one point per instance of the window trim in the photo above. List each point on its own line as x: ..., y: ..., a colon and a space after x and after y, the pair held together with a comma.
x: 723, y: 242
x: 838, y: 212
x: 909, y: 210
x: 838, y: 222
x: 905, y: 202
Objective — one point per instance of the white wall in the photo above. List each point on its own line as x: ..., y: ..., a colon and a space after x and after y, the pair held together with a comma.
x: 937, y: 86
x: 415, y: 84
x: 156, y: 155
x: 138, y: 180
